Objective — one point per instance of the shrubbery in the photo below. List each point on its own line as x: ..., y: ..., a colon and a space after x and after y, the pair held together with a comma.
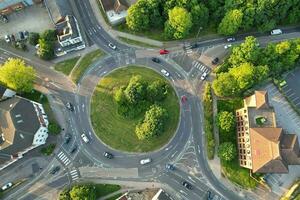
x: 47, y: 42
x: 227, y: 151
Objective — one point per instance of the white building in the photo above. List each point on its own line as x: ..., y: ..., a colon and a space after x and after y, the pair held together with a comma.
x: 23, y: 127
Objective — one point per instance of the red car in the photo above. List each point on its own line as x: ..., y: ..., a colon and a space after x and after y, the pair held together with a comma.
x: 183, y: 99
x: 163, y: 51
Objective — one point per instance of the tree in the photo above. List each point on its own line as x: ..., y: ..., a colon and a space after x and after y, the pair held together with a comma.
x: 64, y: 195
x: 17, y: 76
x: 135, y: 90
x: 231, y: 23
x: 46, y: 49
x: 153, y: 123
x: 33, y: 38
x: 179, y: 23
x: 199, y: 15
x: 227, y: 151
x: 157, y: 91
x: 226, y: 121
x: 49, y: 35
x: 226, y: 85
x: 83, y: 192
x: 244, y: 75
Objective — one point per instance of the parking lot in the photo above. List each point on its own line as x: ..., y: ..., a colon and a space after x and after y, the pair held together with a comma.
x: 33, y: 19
x: 292, y: 89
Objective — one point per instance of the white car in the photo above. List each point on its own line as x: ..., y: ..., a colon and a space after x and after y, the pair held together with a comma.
x: 7, y: 39
x: 228, y: 46
x: 165, y: 73
x: 6, y: 186
x: 145, y: 161
x: 112, y: 46
x: 85, y: 138
x: 203, y: 76
x: 276, y: 32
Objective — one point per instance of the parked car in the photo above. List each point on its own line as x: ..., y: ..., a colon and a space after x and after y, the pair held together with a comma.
x: 108, y: 155
x: 187, y: 185
x: 203, y: 76
x: 165, y: 73
x: 85, y: 138
x: 70, y: 106
x: 21, y: 35
x: 230, y: 39
x: 55, y: 170
x: 145, y: 161
x: 156, y: 60
x: 7, y: 38
x: 112, y: 46
x: 215, y: 61
x: 12, y: 38
x: 276, y: 32
x: 26, y: 34
x: 163, y: 51
x: 68, y: 137
x: 170, y: 167
x: 6, y: 186
x: 74, y: 148
x: 227, y: 46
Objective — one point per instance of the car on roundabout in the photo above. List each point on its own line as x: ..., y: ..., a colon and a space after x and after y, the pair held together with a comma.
x: 108, y: 155
x: 165, y: 72
x: 163, y: 51
x: 156, y: 60
x: 85, y: 138
x: 145, y: 161
x: 112, y: 46
x: 187, y: 185
x: 6, y: 186
x: 68, y: 138
x: 70, y: 106
x: 55, y: 170
x: 74, y: 149
x: 170, y: 167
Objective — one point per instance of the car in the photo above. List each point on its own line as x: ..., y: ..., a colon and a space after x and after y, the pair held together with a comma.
x: 26, y: 34
x: 85, y: 138
x: 6, y: 186
x: 163, y: 51
x: 203, y: 76
x: 227, y: 46
x: 170, y: 167
x: 55, y: 170
x: 187, y: 185
x: 215, y: 61
x: 276, y: 32
x: 145, y: 161
x: 112, y: 46
x: 21, y: 35
x: 209, y: 195
x: 230, y: 39
x: 37, y: 46
x: 68, y: 137
x: 7, y: 38
x: 70, y: 106
x: 74, y: 148
x: 183, y: 99
x: 193, y: 46
x: 12, y: 38
x: 165, y: 73
x: 108, y: 155
x: 156, y: 60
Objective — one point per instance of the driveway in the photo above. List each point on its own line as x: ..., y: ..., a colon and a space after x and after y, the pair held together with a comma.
x: 33, y: 19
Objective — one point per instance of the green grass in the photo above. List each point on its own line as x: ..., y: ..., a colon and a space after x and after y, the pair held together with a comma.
x: 85, y: 62
x: 47, y: 151
x: 137, y: 43
x: 118, y: 132
x: 232, y: 169
x: 105, y: 189
x: 66, y: 66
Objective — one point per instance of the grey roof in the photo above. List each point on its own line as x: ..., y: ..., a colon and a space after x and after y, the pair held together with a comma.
x: 6, y: 3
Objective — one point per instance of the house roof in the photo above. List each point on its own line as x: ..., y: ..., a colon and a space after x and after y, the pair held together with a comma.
x: 258, y: 100
x: 265, y: 148
x: 4, y: 92
x: 66, y: 28
x: 116, y: 5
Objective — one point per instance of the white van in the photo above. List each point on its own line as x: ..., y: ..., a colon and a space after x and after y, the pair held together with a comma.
x: 276, y: 32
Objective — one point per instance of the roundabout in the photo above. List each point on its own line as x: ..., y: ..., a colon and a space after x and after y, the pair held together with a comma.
x: 118, y: 131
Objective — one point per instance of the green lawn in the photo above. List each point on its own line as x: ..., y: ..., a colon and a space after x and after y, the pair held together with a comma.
x: 66, y: 66
x: 105, y: 189
x: 137, y: 43
x: 85, y: 62
x: 232, y: 170
x: 118, y: 132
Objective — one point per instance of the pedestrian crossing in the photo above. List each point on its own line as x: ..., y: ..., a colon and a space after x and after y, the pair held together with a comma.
x: 188, y: 49
x: 74, y: 174
x: 201, y: 67
x: 63, y: 158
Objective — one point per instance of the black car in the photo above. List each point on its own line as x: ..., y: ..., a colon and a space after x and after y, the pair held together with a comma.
x: 187, y: 185
x: 21, y: 35
x: 215, y: 61
x: 194, y: 46
x: 68, y: 137
x: 209, y: 195
x: 74, y: 148
x: 156, y: 60
x: 108, y: 155
x: 55, y: 170
x: 70, y: 106
x: 170, y: 167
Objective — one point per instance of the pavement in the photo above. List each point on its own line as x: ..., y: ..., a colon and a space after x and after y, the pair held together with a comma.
x: 292, y: 89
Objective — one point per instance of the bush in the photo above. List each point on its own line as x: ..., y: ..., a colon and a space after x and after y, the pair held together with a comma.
x: 33, y: 38
x: 48, y: 150
x: 208, y: 121
x: 226, y: 121
x: 83, y: 192
x: 53, y: 128
x: 64, y: 195
x: 227, y: 151
x: 46, y: 42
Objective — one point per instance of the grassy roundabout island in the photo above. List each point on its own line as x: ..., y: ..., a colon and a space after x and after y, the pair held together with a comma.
x: 134, y: 109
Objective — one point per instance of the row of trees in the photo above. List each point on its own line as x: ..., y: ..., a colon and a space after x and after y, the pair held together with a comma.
x: 249, y: 64
x: 16, y: 75
x: 139, y: 96
x: 46, y: 43
x: 178, y: 17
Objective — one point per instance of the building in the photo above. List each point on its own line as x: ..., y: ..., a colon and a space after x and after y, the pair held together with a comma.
x: 68, y: 35
x: 23, y: 127
x: 116, y: 10
x: 9, y: 6
x: 6, y: 93
x: 262, y: 146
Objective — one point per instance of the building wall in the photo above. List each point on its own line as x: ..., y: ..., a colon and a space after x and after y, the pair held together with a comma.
x: 9, y: 6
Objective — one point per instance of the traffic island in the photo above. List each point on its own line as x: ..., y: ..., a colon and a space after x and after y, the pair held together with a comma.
x: 126, y: 106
